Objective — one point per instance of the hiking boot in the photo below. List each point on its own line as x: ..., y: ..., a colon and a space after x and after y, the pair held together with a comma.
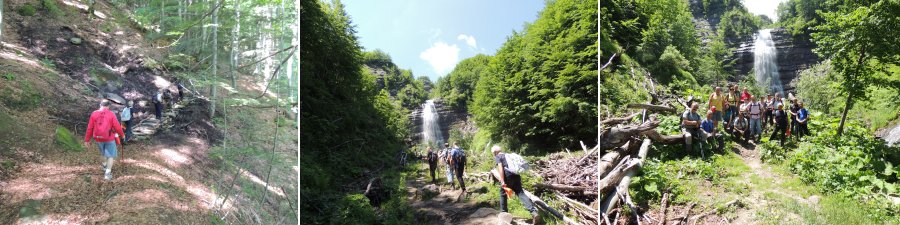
x: 103, y: 167
x: 107, y: 176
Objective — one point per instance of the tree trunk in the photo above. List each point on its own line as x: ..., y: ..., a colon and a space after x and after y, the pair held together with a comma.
x: 847, y: 106
x: 234, y: 42
x: 215, y: 62
x: 1, y: 21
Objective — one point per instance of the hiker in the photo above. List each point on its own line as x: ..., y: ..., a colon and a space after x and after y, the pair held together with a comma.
x: 741, y: 126
x: 167, y: 98
x: 717, y: 101
x: 780, y: 124
x: 180, y: 88
x: 754, y: 109
x: 802, y: 119
x: 443, y: 158
x: 127, y: 114
x: 511, y: 180
x: 767, y: 115
x: 708, y: 126
x: 745, y: 95
x: 432, y: 159
x: 100, y: 128
x: 158, y: 103
x: 690, y: 127
x: 728, y: 116
x: 457, y: 159
x: 795, y: 122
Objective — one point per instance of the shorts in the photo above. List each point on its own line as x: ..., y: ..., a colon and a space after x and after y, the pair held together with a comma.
x: 717, y: 116
x: 108, y: 149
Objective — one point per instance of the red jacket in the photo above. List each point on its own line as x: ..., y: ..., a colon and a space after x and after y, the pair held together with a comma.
x: 96, y: 116
x: 745, y: 96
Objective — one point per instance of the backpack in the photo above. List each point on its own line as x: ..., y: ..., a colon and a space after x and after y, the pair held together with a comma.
x: 103, y: 126
x: 432, y: 157
x: 458, y: 155
x: 516, y: 164
x: 127, y: 116
x: 157, y: 98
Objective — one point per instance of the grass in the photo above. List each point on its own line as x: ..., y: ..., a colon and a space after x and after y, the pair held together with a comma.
x: 26, y: 98
x: 65, y: 140
x: 26, y: 10
x: 831, y: 209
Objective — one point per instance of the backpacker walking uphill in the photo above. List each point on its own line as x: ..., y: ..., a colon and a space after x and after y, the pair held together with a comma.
x: 457, y: 159
x: 102, y: 128
x: 509, y: 166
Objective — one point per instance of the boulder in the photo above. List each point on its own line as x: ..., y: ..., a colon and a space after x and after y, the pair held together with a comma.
x: 115, y: 98
x: 484, y: 212
x: 75, y: 40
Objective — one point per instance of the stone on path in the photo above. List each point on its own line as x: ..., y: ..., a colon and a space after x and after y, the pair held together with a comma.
x: 484, y: 212
x: 504, y: 218
x: 115, y: 98
x: 75, y: 40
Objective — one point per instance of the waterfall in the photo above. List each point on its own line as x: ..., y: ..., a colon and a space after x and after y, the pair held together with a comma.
x: 893, y: 136
x: 765, y: 63
x: 431, y: 125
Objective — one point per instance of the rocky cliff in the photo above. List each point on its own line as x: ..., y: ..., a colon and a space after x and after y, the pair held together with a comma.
x: 794, y: 55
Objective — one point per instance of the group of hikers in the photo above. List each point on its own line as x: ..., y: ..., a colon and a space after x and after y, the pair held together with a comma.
x: 511, y: 166
x: 105, y: 128
x: 745, y: 118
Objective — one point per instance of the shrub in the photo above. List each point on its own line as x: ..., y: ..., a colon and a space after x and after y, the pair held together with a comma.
x: 66, y: 141
x: 52, y: 8
x: 26, y: 10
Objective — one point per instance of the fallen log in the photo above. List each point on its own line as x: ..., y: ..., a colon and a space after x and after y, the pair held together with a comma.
x: 537, y: 201
x: 617, y: 136
x: 560, y: 187
x: 664, y: 139
x: 614, y: 121
x: 658, y: 108
x: 664, y: 207
x: 611, y: 200
x: 616, y: 175
x: 610, y: 159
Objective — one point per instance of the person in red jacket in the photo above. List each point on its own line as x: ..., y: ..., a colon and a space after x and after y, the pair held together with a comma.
x: 102, y: 128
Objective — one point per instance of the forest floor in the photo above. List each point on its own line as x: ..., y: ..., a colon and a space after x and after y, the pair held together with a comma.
x: 755, y: 193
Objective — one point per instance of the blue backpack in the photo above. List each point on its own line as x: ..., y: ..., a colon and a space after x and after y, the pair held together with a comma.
x: 458, y: 155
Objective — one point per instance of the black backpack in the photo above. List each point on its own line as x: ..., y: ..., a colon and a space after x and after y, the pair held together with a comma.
x: 432, y: 157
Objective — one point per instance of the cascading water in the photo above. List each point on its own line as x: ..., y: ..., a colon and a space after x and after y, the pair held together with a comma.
x: 431, y: 125
x: 893, y: 136
x: 765, y: 63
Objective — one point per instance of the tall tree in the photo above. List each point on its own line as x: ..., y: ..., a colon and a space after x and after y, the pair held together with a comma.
x: 861, y: 43
x: 215, y: 62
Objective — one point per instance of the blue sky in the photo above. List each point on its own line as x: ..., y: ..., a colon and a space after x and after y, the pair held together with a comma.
x: 431, y: 36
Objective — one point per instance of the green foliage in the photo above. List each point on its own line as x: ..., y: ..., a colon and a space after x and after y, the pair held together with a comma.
x: 818, y: 86
x: 542, y: 81
x: 65, y: 140
x: 861, y: 46
x: 669, y: 24
x: 738, y: 23
x: 457, y: 88
x: 9, y: 76
x: 855, y: 164
x: 178, y: 61
x: 399, y: 83
x: 48, y: 63
x: 357, y: 127
x: 26, y: 10
x: 52, y: 8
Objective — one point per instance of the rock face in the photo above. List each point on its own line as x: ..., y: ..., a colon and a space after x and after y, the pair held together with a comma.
x: 794, y: 55
x: 447, y: 118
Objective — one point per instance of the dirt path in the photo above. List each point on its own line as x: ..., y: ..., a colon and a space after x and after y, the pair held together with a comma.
x: 156, y: 181
x: 437, y: 203
x: 763, y: 184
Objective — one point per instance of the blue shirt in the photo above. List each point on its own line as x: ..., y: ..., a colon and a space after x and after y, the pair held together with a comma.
x: 803, y: 114
x: 707, y: 125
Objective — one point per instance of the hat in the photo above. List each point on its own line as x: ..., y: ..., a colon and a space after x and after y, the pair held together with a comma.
x: 713, y: 109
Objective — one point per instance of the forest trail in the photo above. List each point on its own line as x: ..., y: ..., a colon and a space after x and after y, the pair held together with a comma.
x: 155, y: 181
x: 437, y: 203
x: 764, y: 184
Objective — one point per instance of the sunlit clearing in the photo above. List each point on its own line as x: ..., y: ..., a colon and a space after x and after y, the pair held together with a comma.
x: 173, y: 158
x: 160, y: 82
x: 256, y: 180
x: 125, y: 48
x: 147, y: 198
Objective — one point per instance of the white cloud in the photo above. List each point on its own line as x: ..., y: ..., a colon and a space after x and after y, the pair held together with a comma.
x: 441, y: 56
x: 470, y: 40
